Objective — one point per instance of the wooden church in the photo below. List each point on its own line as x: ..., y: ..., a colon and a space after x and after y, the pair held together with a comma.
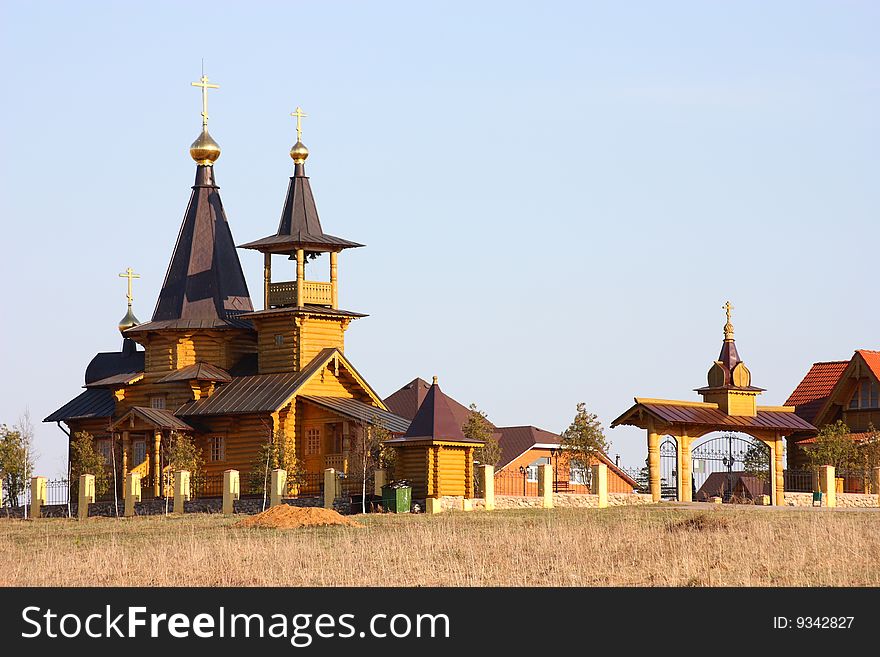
x: 212, y: 367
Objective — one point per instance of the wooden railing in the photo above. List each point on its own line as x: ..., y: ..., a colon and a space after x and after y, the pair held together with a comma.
x: 315, y: 292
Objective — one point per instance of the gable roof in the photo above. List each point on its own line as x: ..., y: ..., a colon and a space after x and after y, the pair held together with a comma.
x: 811, y: 393
x: 117, y: 380
x: 204, y: 281
x: 266, y: 393
x: 435, y: 420
x: 157, y: 417
x: 872, y: 360
x: 92, y: 403
x: 300, y: 226
x: 845, y: 380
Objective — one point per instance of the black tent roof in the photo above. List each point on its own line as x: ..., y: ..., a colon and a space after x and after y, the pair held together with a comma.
x: 300, y: 227
x: 205, y: 283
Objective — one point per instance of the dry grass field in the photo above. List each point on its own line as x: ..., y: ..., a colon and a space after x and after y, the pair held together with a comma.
x: 624, y: 546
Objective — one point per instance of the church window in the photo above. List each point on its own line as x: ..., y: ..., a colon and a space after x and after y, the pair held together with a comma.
x: 218, y: 448
x: 279, y: 340
x: 313, y: 441
x: 157, y: 401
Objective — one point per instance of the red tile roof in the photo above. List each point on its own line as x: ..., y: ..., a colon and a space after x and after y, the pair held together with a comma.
x: 858, y: 437
x: 872, y: 358
x: 811, y: 393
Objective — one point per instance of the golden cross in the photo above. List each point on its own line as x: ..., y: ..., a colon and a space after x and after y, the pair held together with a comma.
x: 728, y: 308
x: 203, y: 83
x: 299, y: 114
x: 129, y: 274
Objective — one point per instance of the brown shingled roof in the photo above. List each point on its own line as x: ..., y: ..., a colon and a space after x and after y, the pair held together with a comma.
x: 435, y: 420
x: 709, y: 415
x: 197, y: 372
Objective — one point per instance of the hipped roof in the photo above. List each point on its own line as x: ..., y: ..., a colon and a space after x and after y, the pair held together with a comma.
x: 435, y: 421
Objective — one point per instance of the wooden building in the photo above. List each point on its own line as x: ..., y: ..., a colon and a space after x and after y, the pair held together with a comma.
x: 232, y: 377
x: 434, y: 455
x: 847, y: 390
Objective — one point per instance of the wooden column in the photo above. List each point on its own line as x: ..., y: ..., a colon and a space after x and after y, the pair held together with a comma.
x: 679, y: 479
x: 468, y: 472
x: 267, y: 278
x: 157, y: 475
x: 126, y: 447
x: 300, y: 276
x: 685, y: 466
x: 779, y: 472
x: 334, y: 285
x: 654, y: 464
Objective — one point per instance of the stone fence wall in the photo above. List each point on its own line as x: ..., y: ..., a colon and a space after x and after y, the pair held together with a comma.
x: 845, y: 500
x: 560, y: 500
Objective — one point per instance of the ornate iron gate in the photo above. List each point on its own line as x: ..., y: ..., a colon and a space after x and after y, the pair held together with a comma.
x: 669, y: 468
x: 725, y: 460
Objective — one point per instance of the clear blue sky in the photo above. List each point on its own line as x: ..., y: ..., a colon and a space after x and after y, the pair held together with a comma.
x: 557, y: 198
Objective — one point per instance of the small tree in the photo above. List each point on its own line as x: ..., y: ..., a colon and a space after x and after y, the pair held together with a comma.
x: 16, y: 461
x: 756, y: 460
x: 584, y: 439
x: 477, y: 427
x: 868, y: 456
x: 366, y: 452
x: 833, y: 446
x: 85, y: 459
x: 274, y: 453
x: 182, y: 453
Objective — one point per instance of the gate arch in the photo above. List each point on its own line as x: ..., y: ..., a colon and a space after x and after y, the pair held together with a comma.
x: 731, y: 466
x: 669, y: 468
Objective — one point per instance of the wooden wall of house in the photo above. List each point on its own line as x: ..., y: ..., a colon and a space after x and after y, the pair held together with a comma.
x: 274, y: 357
x: 168, y: 351
x: 96, y: 427
x: 316, y: 334
x: 859, y: 420
x: 327, y: 383
x: 244, y: 436
x: 411, y: 463
x: 451, y: 470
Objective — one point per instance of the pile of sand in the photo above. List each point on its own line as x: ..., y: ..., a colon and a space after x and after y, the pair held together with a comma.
x: 285, y: 516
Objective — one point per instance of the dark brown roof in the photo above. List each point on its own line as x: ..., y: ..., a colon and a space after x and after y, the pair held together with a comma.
x: 300, y: 226
x: 231, y: 322
x: 92, y: 403
x: 435, y: 420
x: 717, y: 483
x: 204, y: 280
x: 358, y: 410
x: 704, y: 414
x: 158, y: 417
x: 265, y: 393
x: 406, y: 401
x: 813, y: 391
x: 117, y: 380
x: 198, y: 372
x: 261, y: 393
x: 307, y: 309
x: 115, y: 362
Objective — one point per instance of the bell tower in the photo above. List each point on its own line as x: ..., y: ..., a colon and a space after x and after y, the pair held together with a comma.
x: 300, y: 317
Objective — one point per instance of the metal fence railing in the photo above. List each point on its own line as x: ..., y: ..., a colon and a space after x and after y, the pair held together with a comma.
x: 513, y: 482
x: 57, y: 491
x: 799, y: 481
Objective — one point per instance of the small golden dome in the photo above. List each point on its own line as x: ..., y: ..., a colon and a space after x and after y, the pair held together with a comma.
x: 205, y: 150
x: 128, y: 321
x: 299, y: 152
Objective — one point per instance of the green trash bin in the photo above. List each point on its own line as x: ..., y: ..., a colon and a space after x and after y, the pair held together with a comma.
x: 397, y: 496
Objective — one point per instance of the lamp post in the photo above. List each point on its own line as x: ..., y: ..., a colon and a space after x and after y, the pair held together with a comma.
x: 522, y: 470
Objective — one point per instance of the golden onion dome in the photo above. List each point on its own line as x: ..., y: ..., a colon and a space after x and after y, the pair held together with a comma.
x: 128, y: 321
x: 205, y: 150
x: 299, y: 152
